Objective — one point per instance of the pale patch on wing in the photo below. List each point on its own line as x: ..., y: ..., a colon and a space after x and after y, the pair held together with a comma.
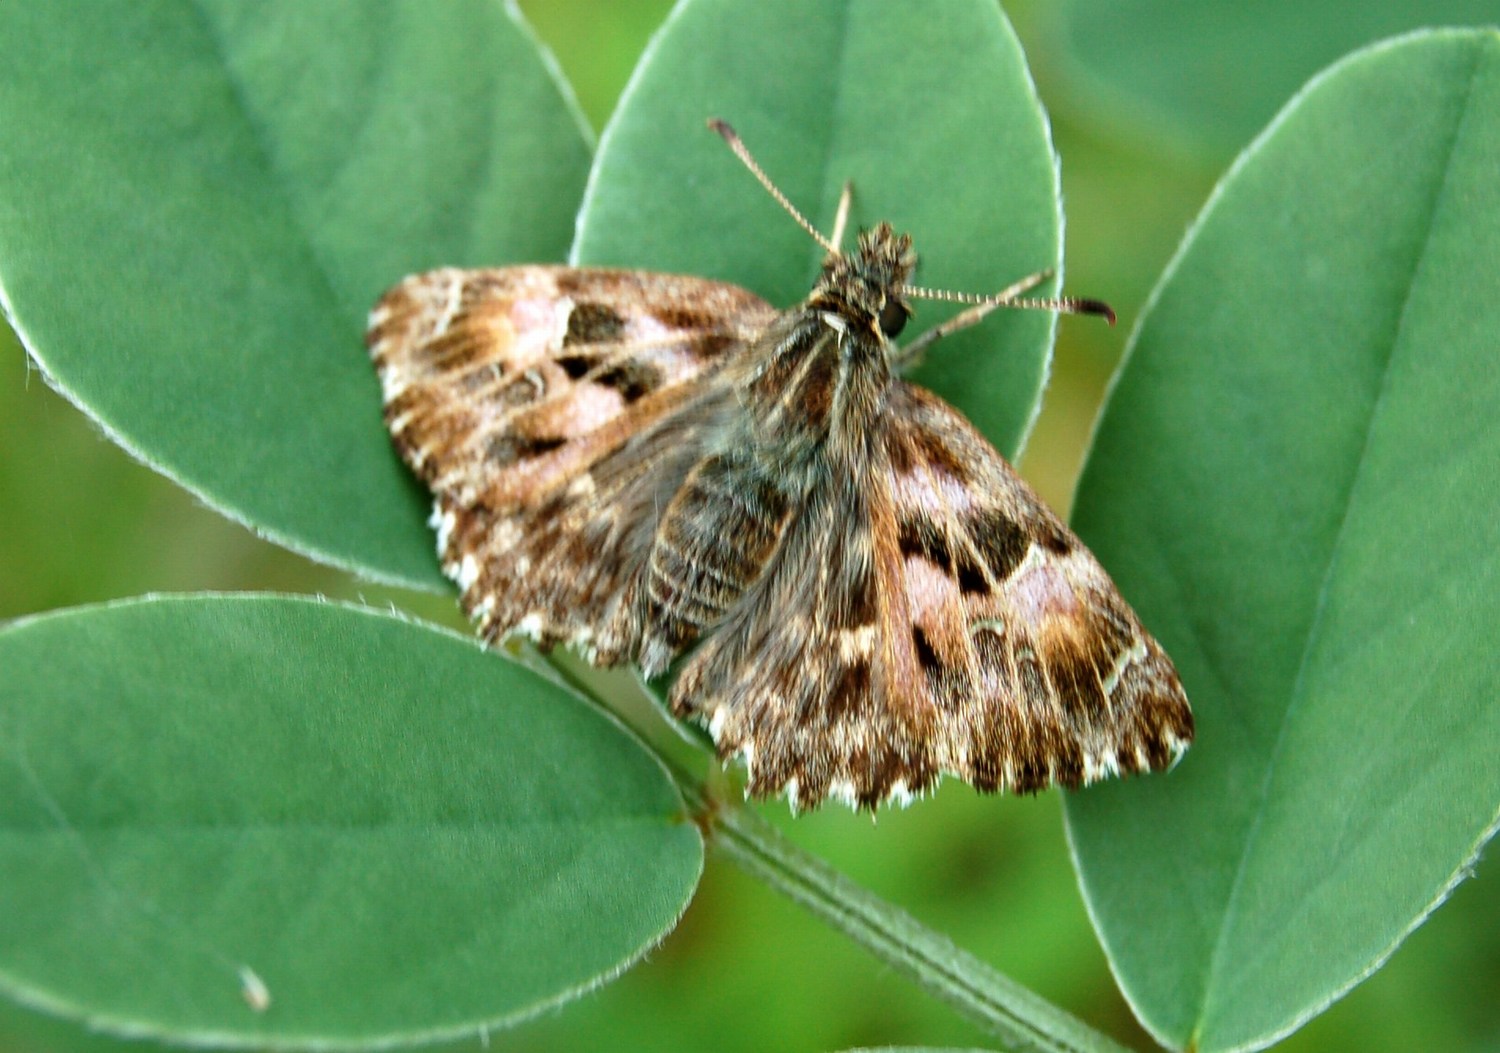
x: 468, y: 571
x: 844, y: 790
x: 855, y: 643
x: 900, y: 794
x: 537, y: 324
x: 1041, y: 588
x: 586, y: 408
x: 531, y: 626
x: 442, y: 521
x: 925, y: 488
x: 716, y: 723
x: 931, y: 591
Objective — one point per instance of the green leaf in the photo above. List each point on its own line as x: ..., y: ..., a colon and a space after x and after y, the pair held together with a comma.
x: 1188, y: 74
x: 199, y: 201
x: 401, y: 836
x: 1296, y: 482
x: 928, y: 109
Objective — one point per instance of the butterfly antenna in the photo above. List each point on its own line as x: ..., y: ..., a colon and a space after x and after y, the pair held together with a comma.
x: 1011, y: 297
x: 743, y: 153
x: 980, y: 306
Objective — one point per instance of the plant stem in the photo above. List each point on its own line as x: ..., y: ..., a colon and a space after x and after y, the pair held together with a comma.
x: 1003, y: 1007
x: 1022, y: 1019
x: 1017, y: 1016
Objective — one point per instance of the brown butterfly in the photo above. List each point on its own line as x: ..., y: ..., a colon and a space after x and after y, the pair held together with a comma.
x: 635, y: 463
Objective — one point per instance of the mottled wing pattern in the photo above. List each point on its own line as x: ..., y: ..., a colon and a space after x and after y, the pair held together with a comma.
x: 933, y: 616
x: 553, y: 411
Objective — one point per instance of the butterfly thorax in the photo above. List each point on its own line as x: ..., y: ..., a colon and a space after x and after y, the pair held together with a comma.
x: 808, y: 396
x: 866, y: 287
x: 821, y: 371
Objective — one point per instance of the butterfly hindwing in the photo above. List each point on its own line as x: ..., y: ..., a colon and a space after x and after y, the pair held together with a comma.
x: 933, y: 616
x: 1040, y: 670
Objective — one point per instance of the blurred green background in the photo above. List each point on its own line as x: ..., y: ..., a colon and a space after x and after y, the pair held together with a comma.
x: 81, y: 522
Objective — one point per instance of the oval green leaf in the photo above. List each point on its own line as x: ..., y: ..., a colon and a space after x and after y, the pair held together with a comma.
x: 199, y: 201
x: 1295, y: 483
x: 927, y: 108
x: 1218, y: 72
x: 258, y: 821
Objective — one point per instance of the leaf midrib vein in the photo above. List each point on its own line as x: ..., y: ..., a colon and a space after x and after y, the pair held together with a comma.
x: 270, y: 158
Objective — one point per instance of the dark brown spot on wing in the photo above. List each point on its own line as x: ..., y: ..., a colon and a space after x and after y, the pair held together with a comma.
x: 926, y: 656
x: 1056, y: 539
x: 509, y: 447
x: 918, y: 449
x: 632, y: 378
x: 920, y: 535
x: 454, y: 349
x: 593, y: 323
x: 1067, y: 761
x: 970, y: 578
x: 796, y: 352
x: 575, y: 366
x: 708, y: 346
x: 813, y: 397
x: 1030, y: 774
x: 1030, y: 679
x: 861, y: 598
x: 1000, y: 540
x: 850, y: 691
x: 684, y: 316
x: 571, y: 281
x: 1076, y: 675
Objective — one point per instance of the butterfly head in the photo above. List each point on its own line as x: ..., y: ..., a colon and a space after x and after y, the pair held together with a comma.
x: 868, y: 286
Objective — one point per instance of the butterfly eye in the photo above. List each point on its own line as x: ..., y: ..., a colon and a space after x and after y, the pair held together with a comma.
x: 893, y: 317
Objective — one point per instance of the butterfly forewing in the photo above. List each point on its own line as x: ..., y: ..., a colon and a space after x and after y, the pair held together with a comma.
x: 554, y: 411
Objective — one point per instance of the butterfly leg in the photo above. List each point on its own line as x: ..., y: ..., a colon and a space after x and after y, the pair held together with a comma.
x: 714, y: 540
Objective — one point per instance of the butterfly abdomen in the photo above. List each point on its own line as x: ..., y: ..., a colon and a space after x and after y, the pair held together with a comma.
x: 714, y: 540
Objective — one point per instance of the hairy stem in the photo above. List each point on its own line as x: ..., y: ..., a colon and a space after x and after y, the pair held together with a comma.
x: 1021, y: 1019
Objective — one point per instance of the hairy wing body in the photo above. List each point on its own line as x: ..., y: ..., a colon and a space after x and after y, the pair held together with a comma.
x: 629, y: 462
x: 555, y: 412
